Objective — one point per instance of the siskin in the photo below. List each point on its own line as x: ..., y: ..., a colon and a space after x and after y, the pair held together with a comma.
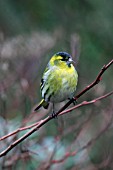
x: 59, y: 80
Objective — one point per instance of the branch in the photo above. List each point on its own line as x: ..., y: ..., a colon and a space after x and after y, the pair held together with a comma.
x: 42, y: 122
x: 84, y: 103
x: 19, y: 130
x: 96, y: 81
x: 67, y: 155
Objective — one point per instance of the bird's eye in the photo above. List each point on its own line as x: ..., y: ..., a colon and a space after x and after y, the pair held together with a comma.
x: 64, y: 59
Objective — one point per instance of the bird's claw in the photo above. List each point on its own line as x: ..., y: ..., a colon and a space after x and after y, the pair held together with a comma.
x: 74, y: 101
x: 54, y: 115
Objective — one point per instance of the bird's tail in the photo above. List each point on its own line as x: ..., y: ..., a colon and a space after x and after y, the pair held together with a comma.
x: 42, y: 103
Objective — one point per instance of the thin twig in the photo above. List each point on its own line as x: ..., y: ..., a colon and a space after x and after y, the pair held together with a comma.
x: 86, y: 103
x: 19, y: 130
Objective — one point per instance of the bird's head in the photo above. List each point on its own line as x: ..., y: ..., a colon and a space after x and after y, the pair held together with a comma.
x: 61, y: 59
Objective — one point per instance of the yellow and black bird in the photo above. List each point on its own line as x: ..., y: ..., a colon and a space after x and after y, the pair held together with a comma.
x: 59, y: 80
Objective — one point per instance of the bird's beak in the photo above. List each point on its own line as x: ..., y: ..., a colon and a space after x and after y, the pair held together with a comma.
x: 71, y: 60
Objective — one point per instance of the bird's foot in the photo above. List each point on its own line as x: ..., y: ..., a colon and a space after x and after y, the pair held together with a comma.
x: 54, y: 115
x: 74, y: 101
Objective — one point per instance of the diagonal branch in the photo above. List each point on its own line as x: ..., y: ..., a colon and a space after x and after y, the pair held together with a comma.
x: 42, y: 122
x: 84, y: 103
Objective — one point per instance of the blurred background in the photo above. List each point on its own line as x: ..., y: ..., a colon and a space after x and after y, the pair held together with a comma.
x: 31, y: 31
